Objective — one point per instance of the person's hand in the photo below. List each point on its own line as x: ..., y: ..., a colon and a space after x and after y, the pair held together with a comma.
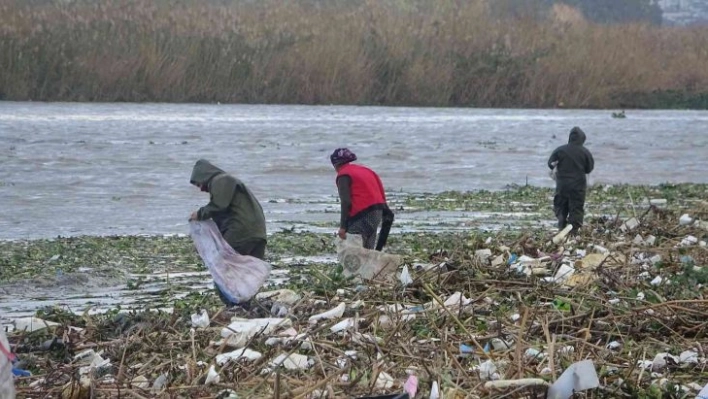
x: 342, y: 234
x: 193, y: 216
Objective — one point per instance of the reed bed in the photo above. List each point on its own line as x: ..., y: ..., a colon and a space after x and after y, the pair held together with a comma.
x: 446, y: 53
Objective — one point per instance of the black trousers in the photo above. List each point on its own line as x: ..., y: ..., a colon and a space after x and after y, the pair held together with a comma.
x: 569, y: 207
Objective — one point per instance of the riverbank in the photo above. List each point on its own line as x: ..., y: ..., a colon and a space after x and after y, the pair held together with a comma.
x: 482, y: 306
x: 368, y: 53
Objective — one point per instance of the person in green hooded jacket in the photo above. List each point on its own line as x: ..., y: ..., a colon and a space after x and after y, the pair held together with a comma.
x: 233, y: 208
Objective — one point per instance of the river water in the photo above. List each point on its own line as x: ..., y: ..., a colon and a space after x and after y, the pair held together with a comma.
x: 95, y: 169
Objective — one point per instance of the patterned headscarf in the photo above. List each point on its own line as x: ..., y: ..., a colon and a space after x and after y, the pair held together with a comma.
x: 340, y: 156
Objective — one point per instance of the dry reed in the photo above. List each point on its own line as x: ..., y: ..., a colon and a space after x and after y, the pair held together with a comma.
x: 451, y: 53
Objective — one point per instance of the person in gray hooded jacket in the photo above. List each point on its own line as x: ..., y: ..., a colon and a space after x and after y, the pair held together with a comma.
x: 574, y: 163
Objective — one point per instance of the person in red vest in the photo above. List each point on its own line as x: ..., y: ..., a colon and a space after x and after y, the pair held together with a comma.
x: 362, y: 198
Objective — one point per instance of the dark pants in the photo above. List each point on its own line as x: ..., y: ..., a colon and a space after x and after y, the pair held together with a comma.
x: 366, y: 225
x: 569, y: 207
x: 255, y: 248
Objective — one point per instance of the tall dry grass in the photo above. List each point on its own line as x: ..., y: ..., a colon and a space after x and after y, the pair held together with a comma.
x: 396, y: 52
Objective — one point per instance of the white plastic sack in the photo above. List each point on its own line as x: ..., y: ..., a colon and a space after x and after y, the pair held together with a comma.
x: 554, y: 173
x: 238, y: 277
x: 7, y: 385
x: 367, y: 263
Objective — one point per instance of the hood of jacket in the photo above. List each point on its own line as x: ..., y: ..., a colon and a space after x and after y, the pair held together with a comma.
x: 577, y: 136
x: 203, y: 172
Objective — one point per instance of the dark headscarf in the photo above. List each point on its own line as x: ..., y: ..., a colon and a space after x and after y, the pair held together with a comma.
x: 340, y: 156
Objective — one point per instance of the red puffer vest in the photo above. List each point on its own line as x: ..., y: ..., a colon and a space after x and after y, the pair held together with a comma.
x: 366, y: 190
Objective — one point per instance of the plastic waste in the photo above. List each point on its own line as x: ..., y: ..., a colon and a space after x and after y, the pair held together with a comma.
x: 685, y: 220
x: 522, y: 382
x: 200, y: 319
x: 243, y: 353
x: 366, y: 263
x: 240, y: 331
x: 688, y: 357
x: 554, y: 172
x: 580, y: 376
x: 212, y: 376
x: 294, y: 361
x: 7, y: 385
x: 435, y: 391
x: 562, y: 234
x: 140, y: 382
x: 159, y: 383
x: 384, y: 381
x: 630, y: 224
x: 488, y: 371
x: 704, y: 393
x: 406, y: 276
x: 411, y: 386
x: 688, y: 241
x: 335, y: 313
x: 343, y: 325
x: 238, y: 277
x: 32, y: 324
x: 466, y: 350
x: 283, y: 296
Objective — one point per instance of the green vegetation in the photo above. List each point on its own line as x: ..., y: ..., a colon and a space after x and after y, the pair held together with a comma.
x: 403, y: 52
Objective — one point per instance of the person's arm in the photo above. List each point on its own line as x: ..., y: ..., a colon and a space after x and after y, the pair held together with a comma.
x: 553, y: 160
x: 222, y: 192
x: 589, y: 163
x: 344, y: 184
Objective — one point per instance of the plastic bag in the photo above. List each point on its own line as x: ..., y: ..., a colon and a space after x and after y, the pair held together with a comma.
x: 553, y: 173
x: 7, y: 385
x: 238, y: 277
x: 366, y: 263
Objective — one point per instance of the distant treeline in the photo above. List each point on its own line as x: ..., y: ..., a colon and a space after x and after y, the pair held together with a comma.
x: 394, y: 52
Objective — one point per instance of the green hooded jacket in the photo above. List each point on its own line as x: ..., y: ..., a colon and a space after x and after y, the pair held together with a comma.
x: 233, y: 207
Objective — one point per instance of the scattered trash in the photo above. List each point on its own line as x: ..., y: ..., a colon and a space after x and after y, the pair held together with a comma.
x: 661, y: 360
x: 688, y: 241
x: 703, y: 394
x: 657, y: 280
x: 140, y: 382
x: 21, y: 373
x: 630, y: 225
x: 343, y: 325
x: 614, y: 345
x: 522, y: 382
x: 212, y: 376
x: 366, y: 263
x: 32, y: 324
x: 580, y: 376
x: 237, y: 355
x: 688, y: 357
x: 535, y: 354
x: 384, y: 381
x: 240, y: 331
x: 238, y: 277
x: 283, y: 296
x: 488, y: 371
x: 483, y: 255
x: 406, y: 277
x: 200, y: 319
x: 685, y: 220
x: 335, y: 313
x: 294, y: 361
x: 411, y: 386
x: 435, y: 391
x: 159, y: 383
